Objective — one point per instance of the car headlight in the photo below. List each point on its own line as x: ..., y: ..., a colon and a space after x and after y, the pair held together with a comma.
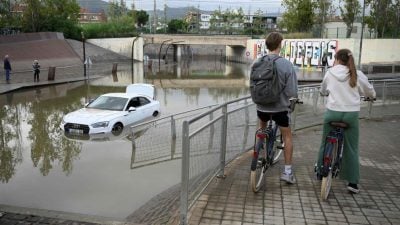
x: 100, y: 124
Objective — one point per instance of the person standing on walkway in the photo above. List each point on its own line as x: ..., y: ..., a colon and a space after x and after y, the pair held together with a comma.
x: 36, y: 70
x: 279, y: 111
x: 7, y: 67
x: 343, y: 85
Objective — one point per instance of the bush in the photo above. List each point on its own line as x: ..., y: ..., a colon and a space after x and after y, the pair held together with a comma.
x: 298, y: 35
x: 122, y: 27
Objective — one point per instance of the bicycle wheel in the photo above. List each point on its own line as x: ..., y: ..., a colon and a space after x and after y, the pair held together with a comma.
x: 278, y: 147
x: 258, y: 166
x: 328, y: 161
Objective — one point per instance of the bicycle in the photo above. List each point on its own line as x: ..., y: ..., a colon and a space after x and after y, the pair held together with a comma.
x: 268, y: 147
x: 332, y: 156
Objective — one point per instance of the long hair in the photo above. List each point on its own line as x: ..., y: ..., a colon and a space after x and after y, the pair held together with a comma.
x: 345, y: 57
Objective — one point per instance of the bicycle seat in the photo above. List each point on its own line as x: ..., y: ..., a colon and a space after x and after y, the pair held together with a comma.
x: 338, y: 124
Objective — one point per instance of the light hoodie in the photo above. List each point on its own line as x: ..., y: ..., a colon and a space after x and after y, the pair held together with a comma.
x: 342, y: 97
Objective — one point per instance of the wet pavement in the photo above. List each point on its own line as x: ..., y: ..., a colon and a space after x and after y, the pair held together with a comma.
x: 231, y: 200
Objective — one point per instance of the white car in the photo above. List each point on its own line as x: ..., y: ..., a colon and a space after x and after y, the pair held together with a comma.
x: 112, y: 112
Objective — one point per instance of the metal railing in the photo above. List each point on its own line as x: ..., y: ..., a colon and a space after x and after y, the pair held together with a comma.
x: 208, y: 138
x: 214, y: 138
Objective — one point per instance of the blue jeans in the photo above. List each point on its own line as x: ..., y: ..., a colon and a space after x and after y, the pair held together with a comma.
x: 8, y: 75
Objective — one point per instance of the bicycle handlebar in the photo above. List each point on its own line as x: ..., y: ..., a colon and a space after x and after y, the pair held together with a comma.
x: 368, y: 99
x: 293, y: 102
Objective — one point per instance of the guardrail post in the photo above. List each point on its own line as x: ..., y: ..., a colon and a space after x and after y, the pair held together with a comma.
x: 224, y: 129
x: 211, y: 139
x: 133, y: 155
x: 185, y: 173
x: 246, y: 124
x: 173, y: 128
x: 173, y: 137
x: 384, y: 92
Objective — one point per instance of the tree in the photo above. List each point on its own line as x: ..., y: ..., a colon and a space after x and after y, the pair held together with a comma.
x: 141, y: 17
x: 349, y: 12
x: 383, y: 16
x: 299, y: 15
x: 117, y: 9
x: 177, y: 26
x: 52, y: 15
x: 324, y: 9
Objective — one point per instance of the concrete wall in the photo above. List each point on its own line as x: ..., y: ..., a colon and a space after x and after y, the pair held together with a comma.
x: 373, y: 50
x: 122, y: 46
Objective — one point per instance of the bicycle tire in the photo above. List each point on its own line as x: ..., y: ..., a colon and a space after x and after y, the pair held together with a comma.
x: 327, y: 180
x: 278, y: 147
x: 257, y: 169
x: 326, y: 186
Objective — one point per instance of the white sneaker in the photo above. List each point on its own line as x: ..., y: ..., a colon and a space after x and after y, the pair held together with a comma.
x: 289, y: 178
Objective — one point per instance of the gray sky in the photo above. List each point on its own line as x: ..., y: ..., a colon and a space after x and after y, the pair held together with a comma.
x: 211, y: 5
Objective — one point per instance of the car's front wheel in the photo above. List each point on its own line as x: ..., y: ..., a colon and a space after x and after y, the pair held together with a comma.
x: 155, y: 113
x: 117, y: 128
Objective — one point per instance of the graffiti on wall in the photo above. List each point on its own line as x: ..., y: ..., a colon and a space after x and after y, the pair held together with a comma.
x: 302, y: 52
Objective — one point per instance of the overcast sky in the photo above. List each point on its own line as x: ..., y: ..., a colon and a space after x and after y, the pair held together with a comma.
x: 211, y: 5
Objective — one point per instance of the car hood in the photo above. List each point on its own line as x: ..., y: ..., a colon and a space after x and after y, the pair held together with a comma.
x: 89, y: 116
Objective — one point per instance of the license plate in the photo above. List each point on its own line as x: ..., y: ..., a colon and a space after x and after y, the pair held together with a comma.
x: 75, y: 131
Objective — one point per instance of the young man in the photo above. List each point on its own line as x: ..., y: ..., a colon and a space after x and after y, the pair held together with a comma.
x: 280, y: 110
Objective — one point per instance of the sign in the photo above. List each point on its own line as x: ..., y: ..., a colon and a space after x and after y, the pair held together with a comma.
x: 247, y: 53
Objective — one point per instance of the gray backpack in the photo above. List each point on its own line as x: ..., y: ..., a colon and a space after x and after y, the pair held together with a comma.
x: 265, y: 87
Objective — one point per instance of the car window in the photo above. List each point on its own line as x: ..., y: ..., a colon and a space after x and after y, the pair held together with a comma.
x: 143, y: 101
x: 134, y: 102
x: 108, y: 103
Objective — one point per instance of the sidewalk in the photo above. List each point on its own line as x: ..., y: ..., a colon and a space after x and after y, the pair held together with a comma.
x: 24, y: 79
x: 231, y: 200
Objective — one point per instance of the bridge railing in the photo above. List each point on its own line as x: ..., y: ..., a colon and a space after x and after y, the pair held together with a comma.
x: 214, y: 138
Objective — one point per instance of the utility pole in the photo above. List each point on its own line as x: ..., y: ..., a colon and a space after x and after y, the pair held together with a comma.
x: 165, y: 16
x: 155, y: 17
x: 323, y: 18
x: 362, y: 35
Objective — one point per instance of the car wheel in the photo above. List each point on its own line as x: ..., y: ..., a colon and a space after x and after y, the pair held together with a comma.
x: 117, y: 128
x: 155, y: 113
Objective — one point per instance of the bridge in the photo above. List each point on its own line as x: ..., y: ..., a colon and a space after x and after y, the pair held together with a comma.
x: 227, y: 40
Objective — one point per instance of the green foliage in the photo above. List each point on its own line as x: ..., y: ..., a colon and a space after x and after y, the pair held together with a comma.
x: 228, y: 22
x: 52, y: 15
x: 349, y: 12
x: 177, y: 26
x: 384, y: 17
x: 299, y: 15
x: 142, y: 18
x: 117, y: 9
x: 122, y: 27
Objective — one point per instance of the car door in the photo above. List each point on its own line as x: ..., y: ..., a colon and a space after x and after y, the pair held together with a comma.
x: 137, y: 114
x: 146, y: 107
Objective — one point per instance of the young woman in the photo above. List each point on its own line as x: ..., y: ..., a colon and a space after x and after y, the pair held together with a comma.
x: 343, y: 85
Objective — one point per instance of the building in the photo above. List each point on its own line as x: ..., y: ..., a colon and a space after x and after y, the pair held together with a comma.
x: 85, y: 16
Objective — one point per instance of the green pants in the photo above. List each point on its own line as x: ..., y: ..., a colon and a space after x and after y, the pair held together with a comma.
x: 350, y: 167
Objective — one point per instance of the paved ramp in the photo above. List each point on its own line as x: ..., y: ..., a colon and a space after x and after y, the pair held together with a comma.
x: 51, y: 49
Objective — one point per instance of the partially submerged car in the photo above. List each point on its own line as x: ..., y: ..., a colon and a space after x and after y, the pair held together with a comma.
x: 112, y: 112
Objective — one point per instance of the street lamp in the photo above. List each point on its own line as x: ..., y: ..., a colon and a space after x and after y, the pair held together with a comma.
x: 84, y: 54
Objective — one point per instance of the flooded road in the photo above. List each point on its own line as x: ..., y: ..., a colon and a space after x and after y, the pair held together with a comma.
x: 42, y: 168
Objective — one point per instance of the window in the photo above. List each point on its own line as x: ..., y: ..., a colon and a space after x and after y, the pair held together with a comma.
x: 143, y: 101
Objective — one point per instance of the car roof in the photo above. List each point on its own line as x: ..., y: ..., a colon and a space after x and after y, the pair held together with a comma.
x: 123, y: 95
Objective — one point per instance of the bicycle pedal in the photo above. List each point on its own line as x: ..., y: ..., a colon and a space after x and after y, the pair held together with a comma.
x: 280, y: 147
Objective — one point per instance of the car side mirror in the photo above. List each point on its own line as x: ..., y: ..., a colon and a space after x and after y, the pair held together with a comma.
x: 90, y: 101
x: 131, y: 109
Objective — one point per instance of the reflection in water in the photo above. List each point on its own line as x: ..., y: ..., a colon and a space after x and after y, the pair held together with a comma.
x: 36, y: 155
x: 10, y: 141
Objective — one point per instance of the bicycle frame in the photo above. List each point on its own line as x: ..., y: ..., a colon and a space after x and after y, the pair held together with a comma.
x: 265, y: 138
